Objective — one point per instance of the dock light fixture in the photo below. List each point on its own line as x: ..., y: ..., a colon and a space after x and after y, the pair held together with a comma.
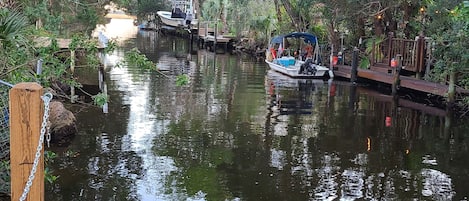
x: 393, y: 63
x: 422, y: 9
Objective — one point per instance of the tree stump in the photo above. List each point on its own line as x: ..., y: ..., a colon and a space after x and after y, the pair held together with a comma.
x: 62, y: 124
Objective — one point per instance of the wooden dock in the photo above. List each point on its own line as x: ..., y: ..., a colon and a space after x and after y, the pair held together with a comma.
x: 212, y: 38
x: 412, y: 58
x: 62, y: 43
x: 388, y: 78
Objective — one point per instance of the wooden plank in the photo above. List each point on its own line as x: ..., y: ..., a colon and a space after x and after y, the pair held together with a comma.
x: 62, y: 43
x: 372, y: 75
x: 202, y: 31
x: 407, y: 82
x: 220, y: 39
x: 420, y: 85
x: 26, y: 112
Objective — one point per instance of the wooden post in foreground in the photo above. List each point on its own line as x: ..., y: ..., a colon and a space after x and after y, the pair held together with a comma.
x: 26, y: 114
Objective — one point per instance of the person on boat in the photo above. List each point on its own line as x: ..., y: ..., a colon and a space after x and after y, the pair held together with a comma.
x: 280, y: 50
x: 308, y: 51
x: 297, y: 54
x: 273, y: 52
x: 188, y: 19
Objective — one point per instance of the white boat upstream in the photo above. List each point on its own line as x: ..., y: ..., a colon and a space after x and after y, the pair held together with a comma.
x: 181, y: 15
x: 298, y: 58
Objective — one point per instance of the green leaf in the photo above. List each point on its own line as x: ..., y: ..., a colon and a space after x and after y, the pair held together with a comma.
x: 100, y: 99
x: 182, y: 80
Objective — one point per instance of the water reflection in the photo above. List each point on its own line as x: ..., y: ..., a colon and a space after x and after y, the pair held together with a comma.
x: 240, y: 132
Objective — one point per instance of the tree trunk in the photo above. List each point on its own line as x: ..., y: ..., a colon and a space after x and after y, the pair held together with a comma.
x: 277, y: 9
x: 197, y: 8
x: 360, y: 27
x: 223, y: 16
x: 407, y: 8
x: 451, y: 87
x: 378, y: 26
x: 332, y: 34
x: 294, y: 17
x: 391, y: 24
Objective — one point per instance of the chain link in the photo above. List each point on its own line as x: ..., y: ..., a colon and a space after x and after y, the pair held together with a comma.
x: 48, y: 136
x: 47, y: 97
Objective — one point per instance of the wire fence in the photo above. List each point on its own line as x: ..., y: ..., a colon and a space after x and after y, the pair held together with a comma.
x: 4, y: 138
x: 4, y: 120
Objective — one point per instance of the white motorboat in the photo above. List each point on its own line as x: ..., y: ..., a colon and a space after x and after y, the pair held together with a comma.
x: 182, y: 11
x: 302, y: 65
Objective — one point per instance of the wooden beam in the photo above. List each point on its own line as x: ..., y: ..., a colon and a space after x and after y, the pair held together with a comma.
x: 26, y: 113
x: 72, y: 72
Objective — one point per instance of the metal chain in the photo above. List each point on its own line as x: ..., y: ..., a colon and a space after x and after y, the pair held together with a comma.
x: 48, y: 134
x: 47, y: 97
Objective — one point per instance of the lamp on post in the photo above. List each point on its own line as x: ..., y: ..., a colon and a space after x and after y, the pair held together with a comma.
x: 422, y: 15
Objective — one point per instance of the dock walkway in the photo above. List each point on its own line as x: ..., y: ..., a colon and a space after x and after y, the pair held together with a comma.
x: 64, y: 43
x: 210, y: 38
x: 406, y: 81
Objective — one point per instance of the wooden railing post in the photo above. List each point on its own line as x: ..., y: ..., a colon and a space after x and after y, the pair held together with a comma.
x: 390, y: 46
x: 354, y: 72
x: 26, y: 114
x: 420, y: 56
x: 373, y: 53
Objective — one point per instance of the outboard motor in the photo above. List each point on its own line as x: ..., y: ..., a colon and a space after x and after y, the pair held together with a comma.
x: 308, y: 68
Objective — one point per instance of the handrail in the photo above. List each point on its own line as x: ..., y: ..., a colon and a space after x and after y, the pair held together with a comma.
x: 412, y: 52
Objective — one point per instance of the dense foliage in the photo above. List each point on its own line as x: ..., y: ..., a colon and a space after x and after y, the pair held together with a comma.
x: 22, y: 23
x: 450, y: 33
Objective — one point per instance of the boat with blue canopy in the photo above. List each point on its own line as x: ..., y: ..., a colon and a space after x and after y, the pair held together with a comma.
x: 297, y: 55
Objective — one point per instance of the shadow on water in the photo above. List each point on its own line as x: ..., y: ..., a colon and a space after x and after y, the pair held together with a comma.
x: 238, y: 131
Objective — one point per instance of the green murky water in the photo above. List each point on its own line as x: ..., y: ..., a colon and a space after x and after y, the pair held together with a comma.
x: 238, y: 131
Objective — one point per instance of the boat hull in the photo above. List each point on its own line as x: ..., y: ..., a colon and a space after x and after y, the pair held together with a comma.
x: 294, y: 70
x: 167, y: 20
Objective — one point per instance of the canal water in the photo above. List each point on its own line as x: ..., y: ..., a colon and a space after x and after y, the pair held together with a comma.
x: 238, y: 131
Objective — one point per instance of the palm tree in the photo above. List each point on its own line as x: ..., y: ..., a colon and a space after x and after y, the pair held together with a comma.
x: 12, y: 26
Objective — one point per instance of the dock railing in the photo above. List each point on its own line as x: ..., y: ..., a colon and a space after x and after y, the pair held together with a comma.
x: 413, y: 52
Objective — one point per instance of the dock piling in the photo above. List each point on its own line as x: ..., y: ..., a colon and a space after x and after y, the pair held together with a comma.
x: 396, y: 72
x: 215, y: 33
x: 354, y: 70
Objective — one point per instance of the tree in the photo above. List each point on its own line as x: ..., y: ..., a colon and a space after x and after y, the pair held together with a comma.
x: 13, y: 41
x: 452, y: 59
x: 144, y: 8
x: 12, y: 27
